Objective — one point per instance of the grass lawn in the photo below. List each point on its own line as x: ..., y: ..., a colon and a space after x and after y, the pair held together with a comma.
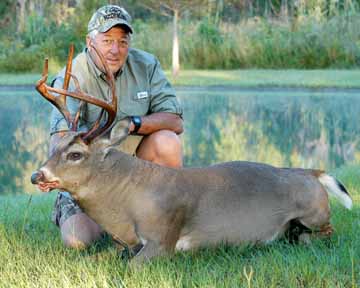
x: 239, y: 78
x: 31, y: 255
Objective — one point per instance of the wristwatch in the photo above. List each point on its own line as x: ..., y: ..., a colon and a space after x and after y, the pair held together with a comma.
x: 137, y: 122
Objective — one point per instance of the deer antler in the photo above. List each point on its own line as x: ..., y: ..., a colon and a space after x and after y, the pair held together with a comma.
x: 59, y: 101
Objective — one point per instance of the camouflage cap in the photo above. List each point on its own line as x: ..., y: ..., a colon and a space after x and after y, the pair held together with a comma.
x: 107, y: 17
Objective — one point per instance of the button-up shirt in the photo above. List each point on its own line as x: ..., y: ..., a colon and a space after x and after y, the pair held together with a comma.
x: 141, y: 88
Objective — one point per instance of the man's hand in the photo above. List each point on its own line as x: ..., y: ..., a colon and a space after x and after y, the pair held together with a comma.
x: 131, y: 127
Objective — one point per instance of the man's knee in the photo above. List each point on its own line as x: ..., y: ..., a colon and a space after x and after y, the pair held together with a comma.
x: 162, y: 147
x: 79, y: 231
x: 166, y: 143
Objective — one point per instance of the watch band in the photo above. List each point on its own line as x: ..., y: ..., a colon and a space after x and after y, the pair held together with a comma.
x: 137, y: 123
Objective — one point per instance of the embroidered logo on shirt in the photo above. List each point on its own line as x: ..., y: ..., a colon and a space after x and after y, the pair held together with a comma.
x: 142, y: 95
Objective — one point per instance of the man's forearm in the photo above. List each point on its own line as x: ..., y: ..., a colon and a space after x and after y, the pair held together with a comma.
x: 160, y: 121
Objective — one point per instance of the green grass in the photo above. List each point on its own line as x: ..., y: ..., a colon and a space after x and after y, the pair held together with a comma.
x: 277, y: 78
x: 32, y: 255
x: 239, y: 78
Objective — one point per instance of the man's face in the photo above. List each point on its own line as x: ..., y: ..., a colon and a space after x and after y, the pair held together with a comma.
x: 114, y: 46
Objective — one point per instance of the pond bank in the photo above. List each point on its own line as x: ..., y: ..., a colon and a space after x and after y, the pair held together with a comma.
x: 237, y: 78
x: 225, y: 88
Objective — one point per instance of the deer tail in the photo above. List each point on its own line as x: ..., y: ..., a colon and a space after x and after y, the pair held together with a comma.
x: 335, y: 188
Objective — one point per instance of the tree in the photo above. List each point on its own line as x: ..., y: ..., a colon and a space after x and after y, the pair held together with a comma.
x: 21, y: 14
x: 174, y: 9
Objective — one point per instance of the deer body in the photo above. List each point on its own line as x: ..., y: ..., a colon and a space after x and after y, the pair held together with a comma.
x: 168, y: 209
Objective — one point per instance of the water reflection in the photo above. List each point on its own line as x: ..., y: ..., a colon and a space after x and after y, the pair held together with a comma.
x: 293, y: 128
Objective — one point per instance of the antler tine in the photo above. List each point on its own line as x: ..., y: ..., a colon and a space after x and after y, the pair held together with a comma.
x: 110, y: 108
x: 68, y: 72
x: 97, y: 130
x: 58, y: 102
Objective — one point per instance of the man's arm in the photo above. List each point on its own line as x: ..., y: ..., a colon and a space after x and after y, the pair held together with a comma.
x: 159, y: 121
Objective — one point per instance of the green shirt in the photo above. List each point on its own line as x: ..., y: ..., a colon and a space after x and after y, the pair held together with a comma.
x: 141, y: 88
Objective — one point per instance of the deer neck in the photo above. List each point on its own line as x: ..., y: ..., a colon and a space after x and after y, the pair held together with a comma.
x: 118, y: 173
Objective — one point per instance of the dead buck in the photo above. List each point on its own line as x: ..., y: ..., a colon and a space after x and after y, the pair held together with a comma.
x: 165, y: 209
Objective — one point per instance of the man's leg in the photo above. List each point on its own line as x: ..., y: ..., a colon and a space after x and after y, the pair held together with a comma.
x: 79, y: 231
x: 76, y: 228
x: 162, y: 147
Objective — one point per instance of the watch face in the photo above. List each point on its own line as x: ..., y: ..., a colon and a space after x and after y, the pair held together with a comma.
x: 137, y: 120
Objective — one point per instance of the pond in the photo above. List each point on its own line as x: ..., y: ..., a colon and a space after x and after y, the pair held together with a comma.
x: 282, y: 127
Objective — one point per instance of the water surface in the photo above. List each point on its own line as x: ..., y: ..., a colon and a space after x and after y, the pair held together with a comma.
x: 295, y: 128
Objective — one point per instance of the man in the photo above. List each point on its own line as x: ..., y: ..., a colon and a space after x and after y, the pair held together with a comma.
x: 144, y: 94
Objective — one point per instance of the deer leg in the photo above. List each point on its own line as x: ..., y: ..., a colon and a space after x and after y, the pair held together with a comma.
x: 324, y: 232
x: 318, y: 221
x: 150, y: 249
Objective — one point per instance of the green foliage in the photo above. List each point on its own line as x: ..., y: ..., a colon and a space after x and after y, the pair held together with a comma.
x: 311, y: 40
x: 37, y: 29
x: 21, y: 60
x: 209, y: 32
x: 260, y: 43
x: 82, y: 15
x: 159, y: 42
x: 42, y: 38
x: 5, y: 6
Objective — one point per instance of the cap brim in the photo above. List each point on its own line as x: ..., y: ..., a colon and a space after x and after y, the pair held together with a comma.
x: 111, y: 23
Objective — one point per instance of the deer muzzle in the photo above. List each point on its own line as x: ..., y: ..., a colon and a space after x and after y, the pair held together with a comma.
x: 38, y: 178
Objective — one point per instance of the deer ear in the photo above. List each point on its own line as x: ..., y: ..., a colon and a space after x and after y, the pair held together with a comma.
x: 118, y: 134
x: 120, y: 131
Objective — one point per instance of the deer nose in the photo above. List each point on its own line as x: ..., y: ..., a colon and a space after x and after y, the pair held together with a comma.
x: 36, y: 177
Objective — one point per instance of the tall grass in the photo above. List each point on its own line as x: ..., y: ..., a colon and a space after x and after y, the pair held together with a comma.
x: 303, y: 43
x: 31, y: 255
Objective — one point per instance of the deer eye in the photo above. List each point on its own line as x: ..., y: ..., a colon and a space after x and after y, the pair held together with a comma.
x: 73, y: 156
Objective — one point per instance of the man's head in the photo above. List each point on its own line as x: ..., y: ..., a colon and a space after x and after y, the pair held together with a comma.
x: 109, y: 31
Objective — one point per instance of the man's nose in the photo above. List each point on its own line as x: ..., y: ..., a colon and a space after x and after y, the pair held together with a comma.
x: 115, y: 47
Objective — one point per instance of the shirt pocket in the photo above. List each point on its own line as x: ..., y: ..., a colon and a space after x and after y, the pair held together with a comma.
x: 136, y: 104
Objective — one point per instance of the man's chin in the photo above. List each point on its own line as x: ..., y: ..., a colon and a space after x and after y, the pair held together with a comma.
x: 114, y: 66
x: 114, y: 69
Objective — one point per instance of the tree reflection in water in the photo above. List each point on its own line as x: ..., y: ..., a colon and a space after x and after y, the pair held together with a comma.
x: 292, y: 128
x: 303, y: 129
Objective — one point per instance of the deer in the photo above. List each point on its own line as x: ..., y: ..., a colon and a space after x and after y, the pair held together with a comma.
x: 165, y: 210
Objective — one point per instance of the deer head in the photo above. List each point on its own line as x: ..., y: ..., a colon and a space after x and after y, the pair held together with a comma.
x: 76, y: 149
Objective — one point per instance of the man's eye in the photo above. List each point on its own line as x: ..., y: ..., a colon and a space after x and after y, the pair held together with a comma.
x: 123, y: 43
x: 107, y: 41
x: 73, y: 156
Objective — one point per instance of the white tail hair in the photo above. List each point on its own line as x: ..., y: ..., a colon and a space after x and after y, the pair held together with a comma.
x: 336, y: 189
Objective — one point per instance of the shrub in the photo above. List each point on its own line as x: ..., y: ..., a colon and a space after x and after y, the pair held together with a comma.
x: 304, y: 42
x: 21, y: 60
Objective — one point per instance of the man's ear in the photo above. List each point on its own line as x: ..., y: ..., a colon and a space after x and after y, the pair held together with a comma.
x: 88, y: 42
